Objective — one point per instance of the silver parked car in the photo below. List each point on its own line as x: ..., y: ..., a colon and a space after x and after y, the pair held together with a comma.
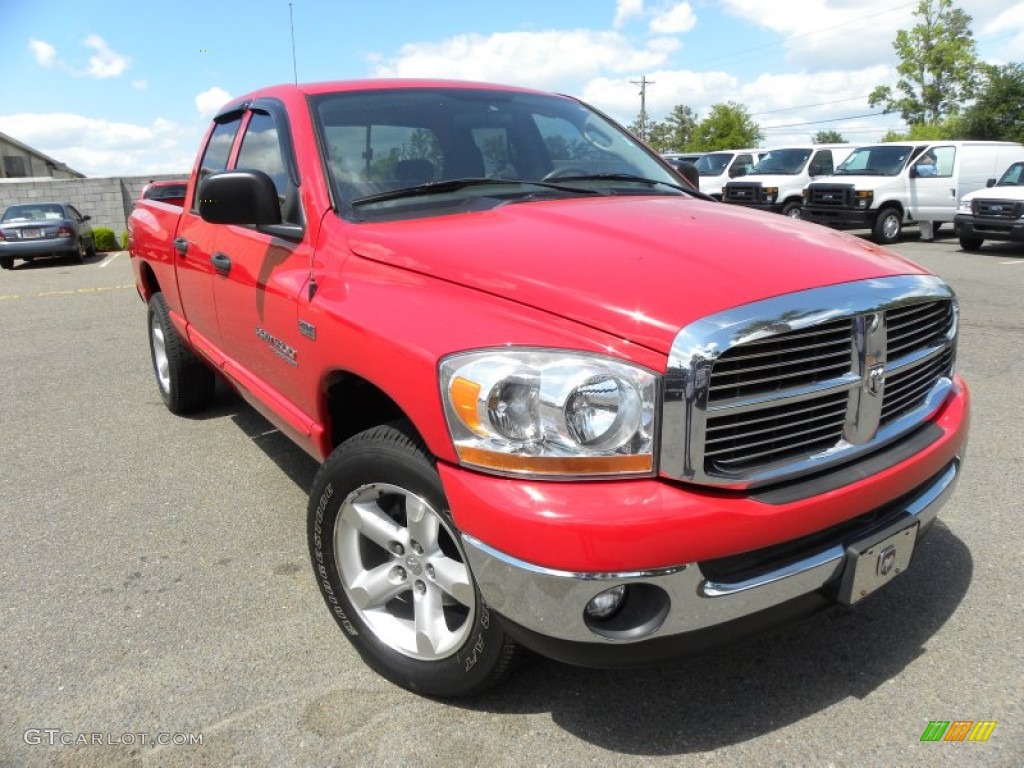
x: 35, y: 230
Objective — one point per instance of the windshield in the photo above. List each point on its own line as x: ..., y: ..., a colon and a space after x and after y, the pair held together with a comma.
x: 787, y: 162
x: 1014, y: 176
x: 713, y: 163
x: 401, y: 152
x: 887, y: 160
x: 33, y: 212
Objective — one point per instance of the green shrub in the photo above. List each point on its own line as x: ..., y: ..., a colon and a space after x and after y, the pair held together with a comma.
x: 124, y: 240
x: 104, y: 239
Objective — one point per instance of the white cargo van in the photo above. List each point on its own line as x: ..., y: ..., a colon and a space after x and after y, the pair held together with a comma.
x: 993, y: 213
x: 716, y: 168
x: 883, y: 187
x: 778, y: 180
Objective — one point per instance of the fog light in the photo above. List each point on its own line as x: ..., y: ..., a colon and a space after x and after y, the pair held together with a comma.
x: 606, y: 604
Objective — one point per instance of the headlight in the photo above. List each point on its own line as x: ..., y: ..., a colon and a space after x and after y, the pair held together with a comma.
x: 771, y: 193
x: 550, y: 412
x: 964, y: 206
x: 862, y: 198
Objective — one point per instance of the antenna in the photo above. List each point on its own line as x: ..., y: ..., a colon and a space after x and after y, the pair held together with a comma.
x: 291, y: 22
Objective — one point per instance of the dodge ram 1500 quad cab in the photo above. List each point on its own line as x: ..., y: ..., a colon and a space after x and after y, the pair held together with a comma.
x: 562, y: 402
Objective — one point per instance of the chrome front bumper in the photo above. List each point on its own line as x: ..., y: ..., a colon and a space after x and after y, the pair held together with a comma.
x: 551, y: 602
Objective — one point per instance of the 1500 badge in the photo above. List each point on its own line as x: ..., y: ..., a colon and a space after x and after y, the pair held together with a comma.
x: 278, y: 347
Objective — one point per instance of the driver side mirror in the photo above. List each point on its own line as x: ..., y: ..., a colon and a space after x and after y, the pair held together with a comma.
x: 243, y: 197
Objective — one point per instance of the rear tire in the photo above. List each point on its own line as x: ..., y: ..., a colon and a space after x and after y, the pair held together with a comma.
x: 390, y: 565
x: 971, y: 243
x: 7, y: 263
x: 184, y: 381
x: 888, y: 226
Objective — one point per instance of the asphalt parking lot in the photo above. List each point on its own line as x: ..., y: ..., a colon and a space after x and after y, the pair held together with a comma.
x: 154, y: 586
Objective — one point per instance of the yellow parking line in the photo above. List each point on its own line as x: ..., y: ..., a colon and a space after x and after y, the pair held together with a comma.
x: 99, y: 289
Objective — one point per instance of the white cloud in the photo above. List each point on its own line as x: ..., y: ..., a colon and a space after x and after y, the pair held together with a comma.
x: 626, y: 10
x: 827, y: 34
x: 210, y: 100
x: 105, y: 62
x: 620, y: 97
x: 1007, y: 29
x: 99, y: 147
x: 551, y: 59
x: 674, y: 20
x: 44, y: 53
x: 140, y: 85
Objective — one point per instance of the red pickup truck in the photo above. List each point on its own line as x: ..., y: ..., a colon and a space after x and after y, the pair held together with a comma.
x: 562, y: 401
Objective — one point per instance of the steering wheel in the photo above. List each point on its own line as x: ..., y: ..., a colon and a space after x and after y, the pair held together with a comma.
x: 559, y: 173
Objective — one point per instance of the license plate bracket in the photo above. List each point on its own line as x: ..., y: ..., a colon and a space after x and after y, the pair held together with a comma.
x: 873, y: 562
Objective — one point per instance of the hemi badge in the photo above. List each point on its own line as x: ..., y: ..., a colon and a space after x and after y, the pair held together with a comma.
x: 307, y: 329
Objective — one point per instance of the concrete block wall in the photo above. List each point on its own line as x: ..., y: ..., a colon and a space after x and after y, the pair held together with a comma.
x: 108, y: 200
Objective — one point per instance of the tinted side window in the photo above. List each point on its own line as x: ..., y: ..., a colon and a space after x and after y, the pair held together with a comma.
x: 215, y: 157
x: 821, y: 164
x: 261, y: 151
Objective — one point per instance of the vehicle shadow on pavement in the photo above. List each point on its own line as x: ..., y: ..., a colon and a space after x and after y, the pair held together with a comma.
x: 292, y: 460
x: 733, y: 696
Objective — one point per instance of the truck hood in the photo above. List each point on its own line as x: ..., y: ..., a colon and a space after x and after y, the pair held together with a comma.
x: 997, y: 193
x: 639, y: 268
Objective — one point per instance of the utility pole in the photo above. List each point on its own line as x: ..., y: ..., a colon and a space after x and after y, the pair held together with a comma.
x: 643, y: 82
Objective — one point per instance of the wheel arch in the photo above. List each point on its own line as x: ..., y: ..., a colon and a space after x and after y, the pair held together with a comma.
x: 147, y: 283
x: 352, y: 404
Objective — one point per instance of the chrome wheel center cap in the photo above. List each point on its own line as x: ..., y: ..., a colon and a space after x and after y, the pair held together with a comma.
x: 413, y: 565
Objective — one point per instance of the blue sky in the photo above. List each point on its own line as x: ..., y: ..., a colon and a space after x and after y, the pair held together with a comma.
x: 114, y: 87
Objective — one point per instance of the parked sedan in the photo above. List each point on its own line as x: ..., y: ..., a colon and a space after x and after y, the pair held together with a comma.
x: 36, y: 230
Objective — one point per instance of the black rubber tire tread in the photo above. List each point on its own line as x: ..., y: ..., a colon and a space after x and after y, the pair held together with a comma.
x: 191, y: 381
x: 788, y: 208
x: 878, y: 232
x: 383, y: 450
x: 971, y: 243
x: 7, y: 263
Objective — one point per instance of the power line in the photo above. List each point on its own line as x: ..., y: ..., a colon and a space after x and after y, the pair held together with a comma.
x: 818, y: 122
x: 807, y: 106
x: 757, y: 48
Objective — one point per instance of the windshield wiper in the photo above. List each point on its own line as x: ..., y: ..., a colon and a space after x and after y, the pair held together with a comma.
x: 454, y: 185
x: 639, y: 179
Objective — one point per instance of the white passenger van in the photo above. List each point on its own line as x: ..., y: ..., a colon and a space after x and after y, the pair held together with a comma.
x: 716, y: 168
x: 883, y: 187
x: 778, y: 180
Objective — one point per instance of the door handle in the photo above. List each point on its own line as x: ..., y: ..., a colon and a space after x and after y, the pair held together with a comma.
x: 181, y: 245
x: 221, y: 262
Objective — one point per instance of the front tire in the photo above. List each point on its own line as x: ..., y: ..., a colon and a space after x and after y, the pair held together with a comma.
x: 792, y: 209
x: 390, y: 565
x: 971, y: 243
x: 185, y: 383
x: 7, y: 263
x: 888, y: 226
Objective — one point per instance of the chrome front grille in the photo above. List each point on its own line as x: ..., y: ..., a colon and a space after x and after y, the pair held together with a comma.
x: 782, y: 361
x: 794, y: 384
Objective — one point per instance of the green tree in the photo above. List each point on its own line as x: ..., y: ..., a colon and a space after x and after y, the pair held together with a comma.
x: 675, y: 133
x: 830, y: 136
x: 998, y: 111
x: 947, y: 129
x: 727, y: 126
x: 938, y: 65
